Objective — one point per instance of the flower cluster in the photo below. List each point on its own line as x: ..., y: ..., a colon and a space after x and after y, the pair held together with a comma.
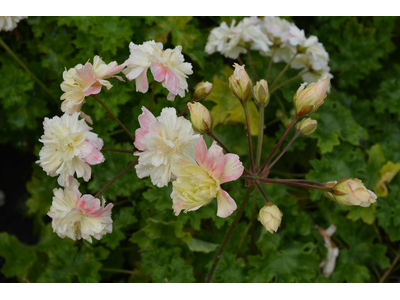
x: 172, y: 148
x: 278, y: 38
x: 70, y: 148
x: 167, y: 66
x: 9, y: 23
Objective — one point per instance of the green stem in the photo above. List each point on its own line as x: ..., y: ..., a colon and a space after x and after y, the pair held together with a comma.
x: 261, y: 190
x: 287, y: 81
x: 38, y: 81
x: 229, y: 233
x: 183, y: 111
x: 270, y: 64
x: 283, y: 152
x: 246, y: 112
x: 153, y: 89
x: 388, y: 271
x: 303, y: 181
x: 252, y: 226
x: 243, y: 237
x: 211, y: 134
x: 282, y: 72
x: 186, y: 107
x: 115, y: 178
x: 113, y: 116
x: 287, y: 174
x: 252, y: 65
x: 277, y: 145
x: 260, y: 135
x: 284, y: 182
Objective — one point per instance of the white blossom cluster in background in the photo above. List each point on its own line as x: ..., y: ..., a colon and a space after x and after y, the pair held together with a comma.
x: 70, y: 147
x: 274, y: 37
x: 9, y: 23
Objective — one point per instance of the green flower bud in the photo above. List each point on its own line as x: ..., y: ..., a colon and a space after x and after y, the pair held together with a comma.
x: 306, y: 126
x: 308, y: 99
x: 202, y: 90
x: 240, y: 83
x: 270, y: 216
x: 201, y: 117
x: 351, y: 192
x: 261, y: 93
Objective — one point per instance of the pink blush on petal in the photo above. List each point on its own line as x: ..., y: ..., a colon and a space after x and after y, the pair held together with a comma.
x: 159, y: 71
x: 146, y: 118
x: 142, y: 84
x: 172, y: 82
x: 139, y: 134
x: 201, y: 151
x: 92, y: 89
x: 95, y: 157
x: 87, y: 74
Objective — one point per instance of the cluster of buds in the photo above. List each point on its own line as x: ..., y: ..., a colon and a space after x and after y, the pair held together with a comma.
x: 201, y: 117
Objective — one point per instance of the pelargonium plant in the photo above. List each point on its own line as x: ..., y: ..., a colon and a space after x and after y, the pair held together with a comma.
x: 171, y: 148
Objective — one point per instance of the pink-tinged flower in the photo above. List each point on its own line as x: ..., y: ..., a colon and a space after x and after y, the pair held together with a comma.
x: 76, y: 216
x: 170, y: 69
x: 86, y: 80
x: 198, y: 184
x: 139, y: 62
x: 162, y: 141
x: 69, y: 147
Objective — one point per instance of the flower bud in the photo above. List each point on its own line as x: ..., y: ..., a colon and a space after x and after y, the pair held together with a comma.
x: 201, y: 117
x: 306, y: 126
x: 308, y: 99
x: 202, y: 90
x: 351, y: 192
x: 270, y: 216
x: 240, y: 83
x: 261, y: 93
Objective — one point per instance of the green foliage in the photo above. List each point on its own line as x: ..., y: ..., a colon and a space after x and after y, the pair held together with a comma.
x: 19, y: 257
x: 166, y: 265
x: 358, y: 136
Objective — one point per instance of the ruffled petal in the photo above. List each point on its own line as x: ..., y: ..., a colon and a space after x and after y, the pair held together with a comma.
x: 233, y: 168
x: 226, y: 205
